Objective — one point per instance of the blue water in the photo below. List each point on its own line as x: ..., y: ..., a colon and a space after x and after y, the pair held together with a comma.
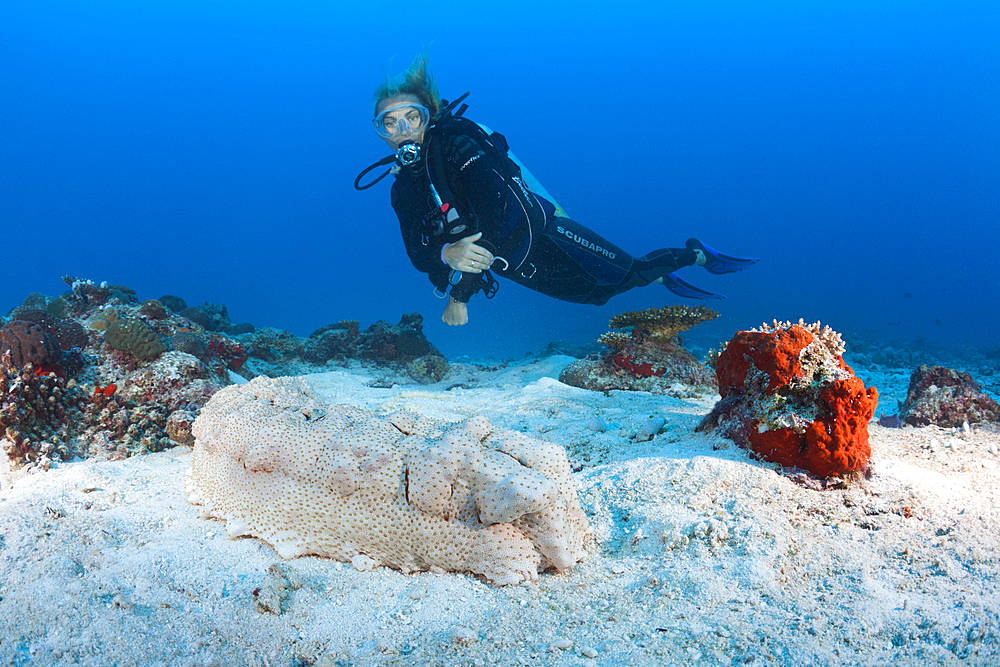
x: 208, y: 149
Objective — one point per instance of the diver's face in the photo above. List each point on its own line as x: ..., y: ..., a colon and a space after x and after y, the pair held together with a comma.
x: 404, y: 123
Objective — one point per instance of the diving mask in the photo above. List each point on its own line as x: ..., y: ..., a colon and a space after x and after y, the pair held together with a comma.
x: 400, y: 120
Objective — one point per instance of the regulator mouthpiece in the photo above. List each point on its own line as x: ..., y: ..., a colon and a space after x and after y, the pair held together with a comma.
x: 408, y: 153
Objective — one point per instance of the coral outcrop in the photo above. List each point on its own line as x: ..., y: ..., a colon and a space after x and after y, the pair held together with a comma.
x: 788, y: 395
x: 154, y: 310
x: 87, y: 295
x: 109, y: 390
x: 663, y: 324
x: 174, y: 381
x: 401, y: 343
x: 67, y: 332
x: 335, y: 342
x: 46, y: 418
x: 136, y: 337
x: 35, y: 417
x: 278, y: 463
x: 179, y: 426
x: 403, y: 346
x: 210, y: 316
x: 946, y: 397
x: 428, y: 369
x: 191, y: 343
x: 29, y: 343
x: 174, y: 303
x: 647, y: 356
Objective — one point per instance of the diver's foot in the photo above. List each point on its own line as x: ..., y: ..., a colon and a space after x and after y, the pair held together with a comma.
x: 685, y: 289
x: 719, y: 262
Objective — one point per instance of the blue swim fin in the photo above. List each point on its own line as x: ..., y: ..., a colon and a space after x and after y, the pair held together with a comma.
x: 685, y: 289
x: 719, y: 262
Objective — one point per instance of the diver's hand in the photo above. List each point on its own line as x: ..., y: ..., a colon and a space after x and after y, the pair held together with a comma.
x: 465, y: 256
x: 455, y: 313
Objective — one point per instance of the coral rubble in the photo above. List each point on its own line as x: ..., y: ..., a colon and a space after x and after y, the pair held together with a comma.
x: 646, y: 357
x: 788, y: 395
x: 946, y: 397
x: 308, y: 477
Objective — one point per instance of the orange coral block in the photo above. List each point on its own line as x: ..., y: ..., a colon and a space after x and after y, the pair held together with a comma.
x: 793, y: 400
x: 776, y: 354
x: 837, y: 441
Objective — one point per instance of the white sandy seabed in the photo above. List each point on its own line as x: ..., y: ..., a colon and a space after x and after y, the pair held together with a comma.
x: 702, y: 555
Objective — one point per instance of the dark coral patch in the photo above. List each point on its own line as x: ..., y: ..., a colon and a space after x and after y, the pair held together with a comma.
x: 29, y: 343
x: 135, y: 337
x: 946, y: 397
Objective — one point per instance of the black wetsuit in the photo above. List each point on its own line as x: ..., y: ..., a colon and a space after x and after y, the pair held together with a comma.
x: 548, y: 253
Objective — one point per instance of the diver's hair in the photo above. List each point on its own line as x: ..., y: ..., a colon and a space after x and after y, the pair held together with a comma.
x: 417, y: 80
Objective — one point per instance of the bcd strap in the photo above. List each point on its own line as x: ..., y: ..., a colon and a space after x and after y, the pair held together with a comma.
x: 491, y: 286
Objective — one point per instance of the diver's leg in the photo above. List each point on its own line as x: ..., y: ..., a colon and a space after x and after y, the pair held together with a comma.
x: 573, y: 263
x: 654, y: 266
x: 604, y: 260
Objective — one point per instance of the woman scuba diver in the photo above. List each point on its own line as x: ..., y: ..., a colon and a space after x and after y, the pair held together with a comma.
x: 467, y: 208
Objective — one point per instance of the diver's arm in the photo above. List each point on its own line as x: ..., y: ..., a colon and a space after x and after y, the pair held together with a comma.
x: 424, y: 252
x: 464, y: 255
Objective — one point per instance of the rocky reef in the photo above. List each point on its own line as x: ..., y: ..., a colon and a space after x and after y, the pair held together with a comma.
x: 46, y: 418
x: 403, y: 347
x: 95, y: 372
x: 645, y: 354
x: 946, y: 397
x: 789, y: 397
x: 308, y: 477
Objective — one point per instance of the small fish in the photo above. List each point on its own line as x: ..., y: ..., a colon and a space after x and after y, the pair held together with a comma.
x: 105, y: 391
x: 890, y: 421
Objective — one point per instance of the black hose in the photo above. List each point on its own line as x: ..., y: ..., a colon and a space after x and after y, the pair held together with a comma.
x: 384, y: 161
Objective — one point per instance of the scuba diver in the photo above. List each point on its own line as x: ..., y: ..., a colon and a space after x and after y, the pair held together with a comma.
x: 468, y: 208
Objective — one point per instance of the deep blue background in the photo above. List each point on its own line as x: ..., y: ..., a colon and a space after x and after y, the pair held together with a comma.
x: 208, y: 149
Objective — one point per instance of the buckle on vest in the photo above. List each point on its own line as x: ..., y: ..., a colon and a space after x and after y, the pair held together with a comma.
x: 533, y: 270
x: 491, y: 287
